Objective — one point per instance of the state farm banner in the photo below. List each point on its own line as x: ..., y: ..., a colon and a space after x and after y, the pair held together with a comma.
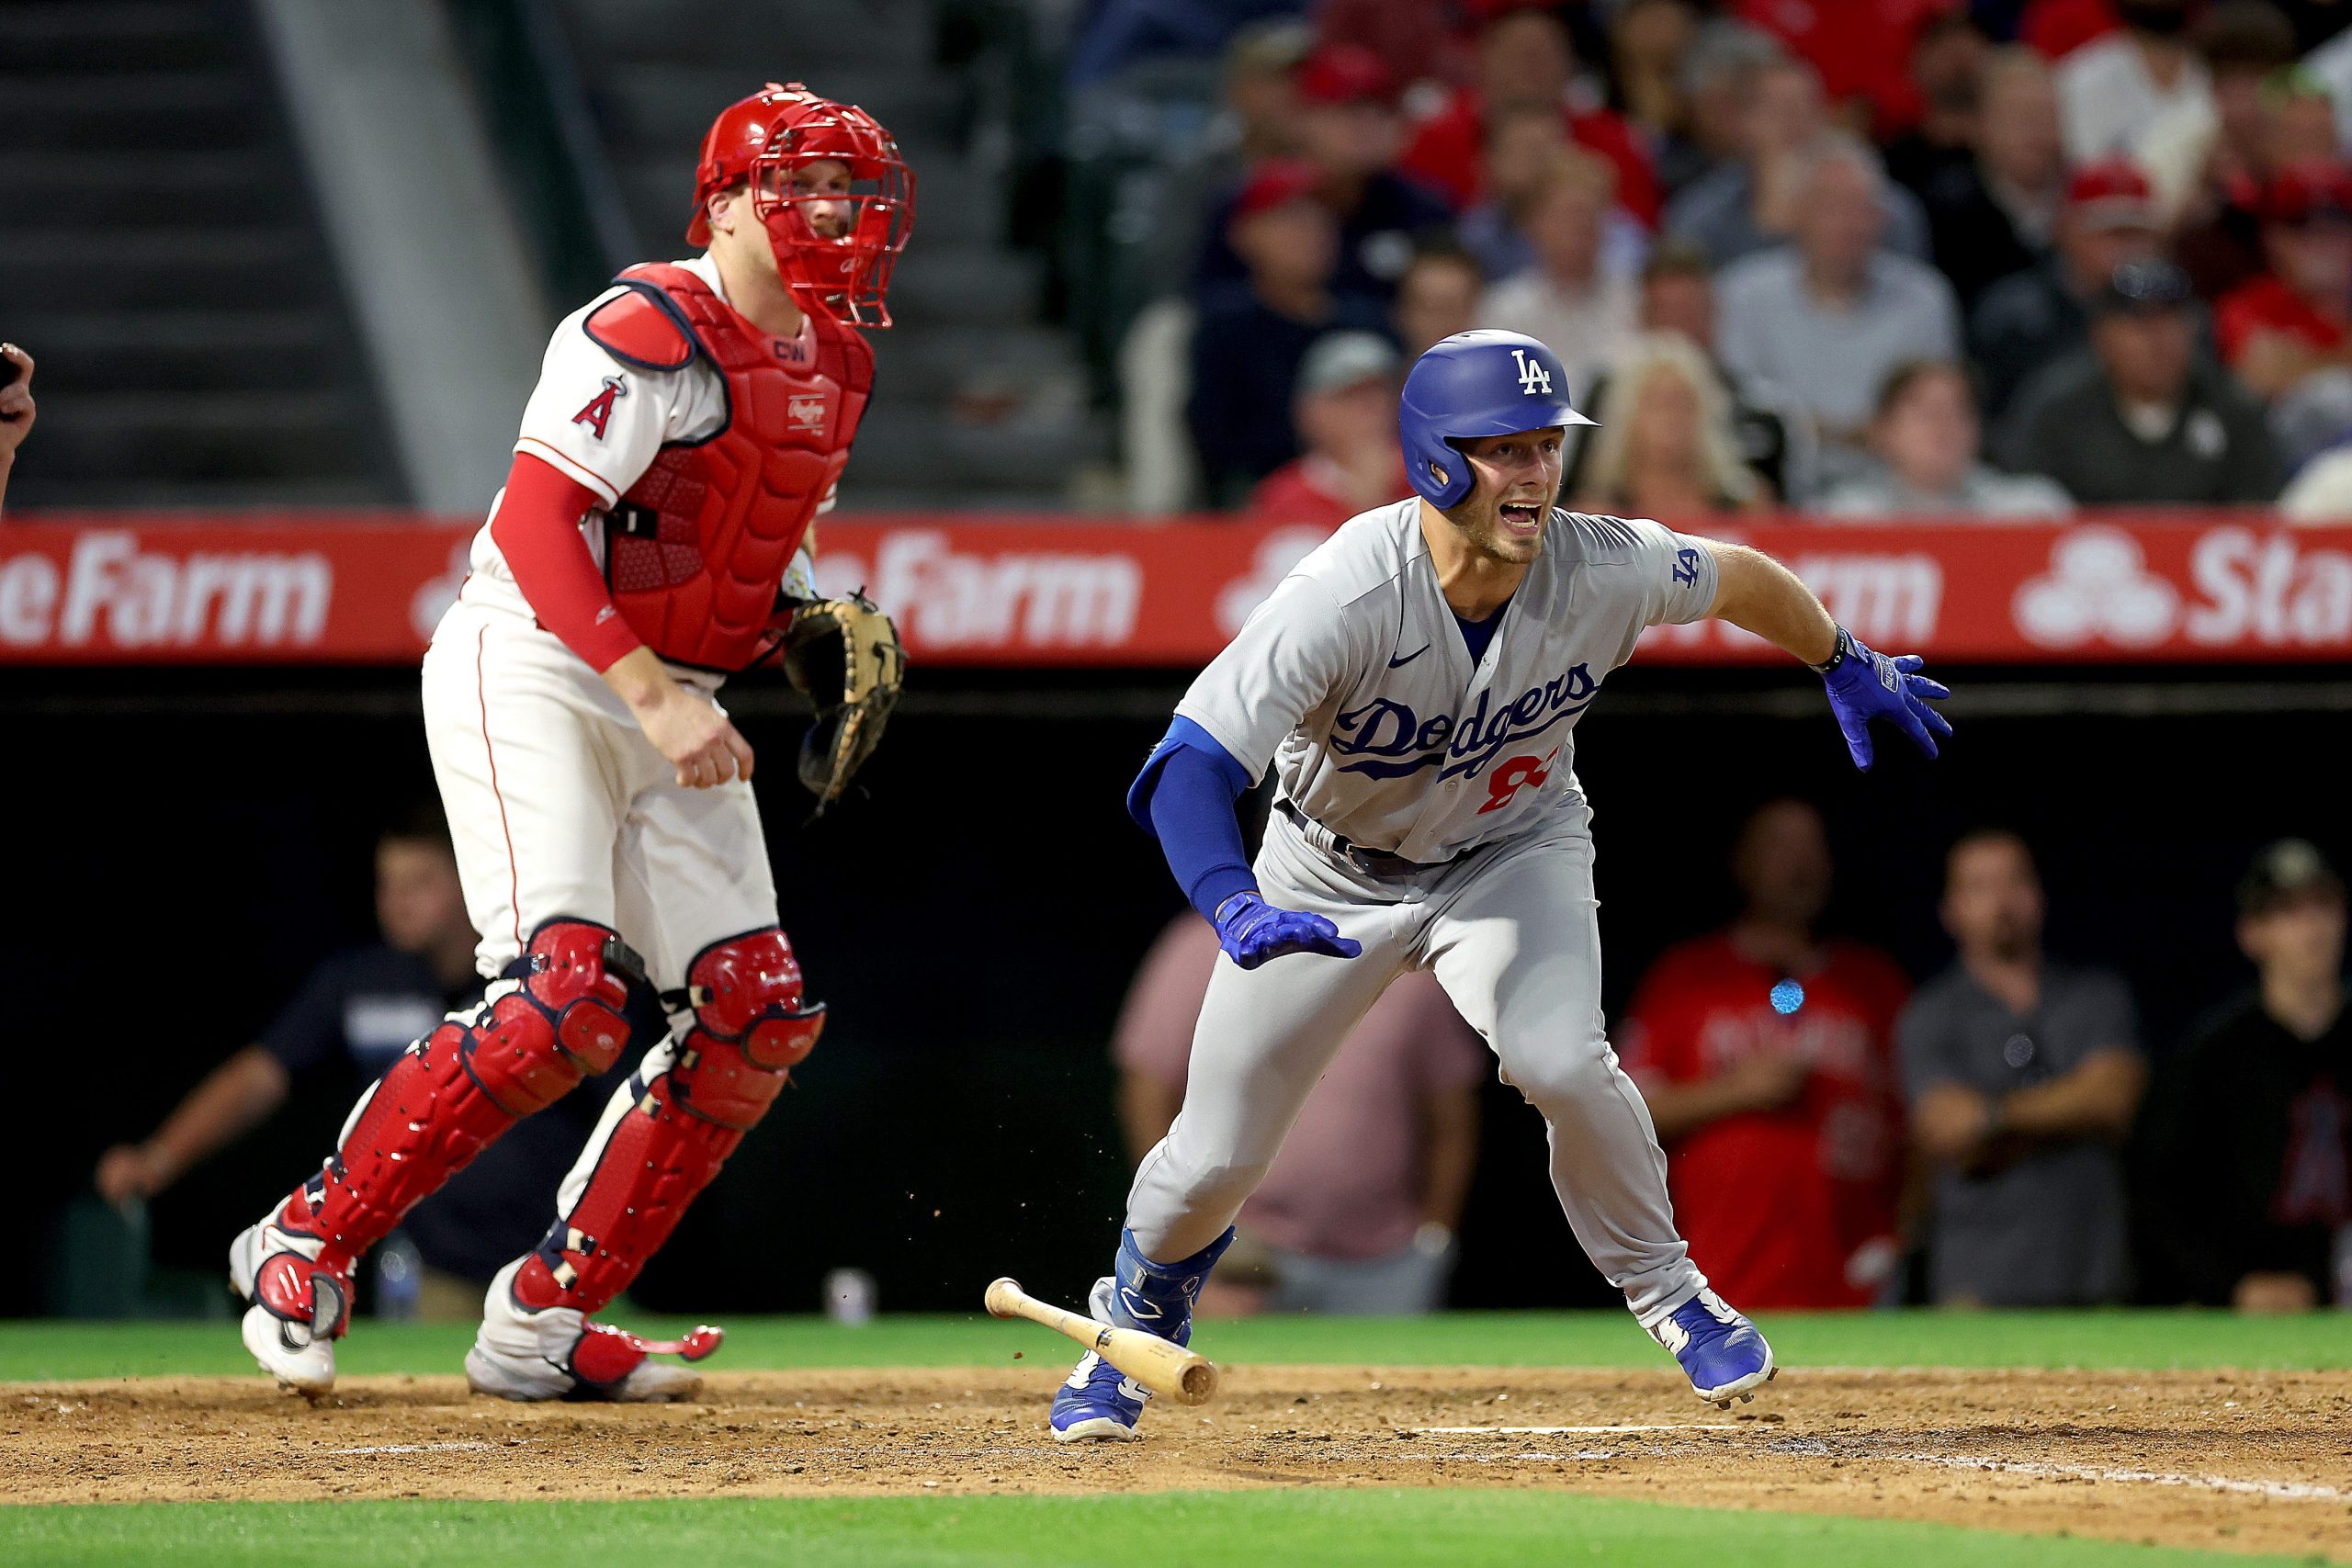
x: 1047, y: 591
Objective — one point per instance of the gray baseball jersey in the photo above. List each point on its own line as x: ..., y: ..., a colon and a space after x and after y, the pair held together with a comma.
x: 1355, y: 680
x: 1353, y: 677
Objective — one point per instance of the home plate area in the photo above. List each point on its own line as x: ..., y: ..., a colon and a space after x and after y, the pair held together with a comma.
x: 2246, y: 1462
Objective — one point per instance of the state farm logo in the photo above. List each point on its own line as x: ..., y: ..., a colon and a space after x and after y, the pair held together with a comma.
x: 110, y: 591
x: 2098, y: 586
x: 2242, y: 587
x: 945, y: 598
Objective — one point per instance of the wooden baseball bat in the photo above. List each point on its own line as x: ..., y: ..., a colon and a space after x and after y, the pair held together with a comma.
x: 1185, y: 1376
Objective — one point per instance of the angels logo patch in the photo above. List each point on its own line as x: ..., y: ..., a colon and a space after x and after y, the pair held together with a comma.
x: 806, y: 411
x: 598, y: 411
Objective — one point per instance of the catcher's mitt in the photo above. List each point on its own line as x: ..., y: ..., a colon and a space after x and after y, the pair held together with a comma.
x: 845, y: 654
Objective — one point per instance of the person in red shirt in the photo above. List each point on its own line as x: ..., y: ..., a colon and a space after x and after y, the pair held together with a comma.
x: 1767, y: 1054
x: 1346, y: 412
x: 1524, y: 57
x: 2291, y: 320
x: 1862, y: 49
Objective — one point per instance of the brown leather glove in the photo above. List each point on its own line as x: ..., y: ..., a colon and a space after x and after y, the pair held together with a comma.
x: 845, y: 654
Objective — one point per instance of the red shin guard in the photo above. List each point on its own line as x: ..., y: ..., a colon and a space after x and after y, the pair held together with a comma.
x: 751, y: 1028
x: 457, y: 1090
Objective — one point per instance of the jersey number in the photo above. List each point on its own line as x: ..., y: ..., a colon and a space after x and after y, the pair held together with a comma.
x: 1519, y: 772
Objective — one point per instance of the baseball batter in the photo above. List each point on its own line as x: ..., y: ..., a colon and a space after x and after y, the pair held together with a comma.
x: 687, y: 426
x: 1414, y: 683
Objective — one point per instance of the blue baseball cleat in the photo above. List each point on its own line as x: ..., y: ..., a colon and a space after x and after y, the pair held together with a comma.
x: 1719, y: 1349
x: 1099, y: 1403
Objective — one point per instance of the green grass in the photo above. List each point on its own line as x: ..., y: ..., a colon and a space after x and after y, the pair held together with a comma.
x: 1198, y: 1530
x: 41, y: 1350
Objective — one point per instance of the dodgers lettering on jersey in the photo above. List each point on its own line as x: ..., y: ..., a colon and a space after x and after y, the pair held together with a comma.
x: 1353, y: 678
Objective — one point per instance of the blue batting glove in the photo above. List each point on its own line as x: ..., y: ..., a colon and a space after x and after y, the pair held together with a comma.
x: 1252, y: 930
x: 1864, y: 685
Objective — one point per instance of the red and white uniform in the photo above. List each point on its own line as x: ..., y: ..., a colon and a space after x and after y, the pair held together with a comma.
x: 556, y: 802
x: 1793, y: 1208
x: 669, y: 465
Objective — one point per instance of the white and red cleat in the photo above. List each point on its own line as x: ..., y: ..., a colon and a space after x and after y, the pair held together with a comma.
x: 555, y: 1352
x: 299, y: 1308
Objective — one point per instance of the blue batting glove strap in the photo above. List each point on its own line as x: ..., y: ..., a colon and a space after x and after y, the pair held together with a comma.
x: 1864, y: 685
x: 1252, y: 930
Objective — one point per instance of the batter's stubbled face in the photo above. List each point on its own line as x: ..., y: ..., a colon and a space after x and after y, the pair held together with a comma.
x: 1517, y: 484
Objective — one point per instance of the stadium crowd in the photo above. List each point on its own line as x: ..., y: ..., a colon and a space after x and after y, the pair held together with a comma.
x: 1871, y: 259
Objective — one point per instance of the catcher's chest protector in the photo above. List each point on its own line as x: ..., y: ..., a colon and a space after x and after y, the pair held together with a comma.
x: 697, y: 548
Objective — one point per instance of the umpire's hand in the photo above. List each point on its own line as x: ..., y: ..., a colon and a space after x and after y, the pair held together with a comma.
x: 16, y: 404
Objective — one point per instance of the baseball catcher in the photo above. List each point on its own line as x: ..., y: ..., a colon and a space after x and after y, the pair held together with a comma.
x: 688, y: 425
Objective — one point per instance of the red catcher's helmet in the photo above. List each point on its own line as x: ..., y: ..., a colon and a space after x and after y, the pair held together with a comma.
x: 765, y: 141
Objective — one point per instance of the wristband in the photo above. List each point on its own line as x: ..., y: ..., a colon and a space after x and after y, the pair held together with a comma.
x: 1845, y: 644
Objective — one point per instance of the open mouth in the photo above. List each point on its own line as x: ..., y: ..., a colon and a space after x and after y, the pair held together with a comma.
x: 1522, y: 516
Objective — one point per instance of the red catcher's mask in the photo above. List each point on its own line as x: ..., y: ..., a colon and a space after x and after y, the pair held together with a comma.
x: 836, y: 242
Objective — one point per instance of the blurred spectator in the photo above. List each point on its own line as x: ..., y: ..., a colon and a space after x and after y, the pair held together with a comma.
x: 1346, y: 413
x: 1718, y: 80
x: 1348, y: 131
x: 2055, y: 28
x: 1524, y: 147
x: 1251, y: 337
x: 1525, y: 57
x: 2206, y: 143
x: 1861, y: 48
x: 1753, y: 202
x: 16, y: 411
x: 2113, y: 90
x: 1118, y: 33
x: 1665, y: 447
x: 1437, y: 298
x: 1679, y: 296
x: 1766, y: 1053
x: 2043, y: 314
x: 355, y: 1014
x: 1925, y: 437
x: 2291, y: 320
x: 1415, y: 41
x: 1257, y: 121
x: 1826, y: 319
x: 2141, y: 418
x: 1947, y: 60
x: 2218, y: 238
x: 2022, y: 1076
x: 1993, y: 210
x: 1569, y: 301
x: 2250, y: 1145
x: 1648, y: 42
x: 1358, y: 1212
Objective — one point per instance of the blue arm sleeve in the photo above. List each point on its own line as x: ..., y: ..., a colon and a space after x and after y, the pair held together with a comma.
x: 1184, y: 797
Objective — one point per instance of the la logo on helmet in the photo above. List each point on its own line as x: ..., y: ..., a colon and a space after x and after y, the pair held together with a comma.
x: 1533, y: 377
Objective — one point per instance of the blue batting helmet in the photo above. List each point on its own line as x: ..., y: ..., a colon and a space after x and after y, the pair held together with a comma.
x: 1474, y: 384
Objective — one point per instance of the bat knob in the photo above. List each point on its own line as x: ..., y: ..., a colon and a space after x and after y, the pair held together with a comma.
x: 999, y: 1296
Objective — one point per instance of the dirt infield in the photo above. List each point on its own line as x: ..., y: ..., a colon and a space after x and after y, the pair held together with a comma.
x: 2252, y: 1462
